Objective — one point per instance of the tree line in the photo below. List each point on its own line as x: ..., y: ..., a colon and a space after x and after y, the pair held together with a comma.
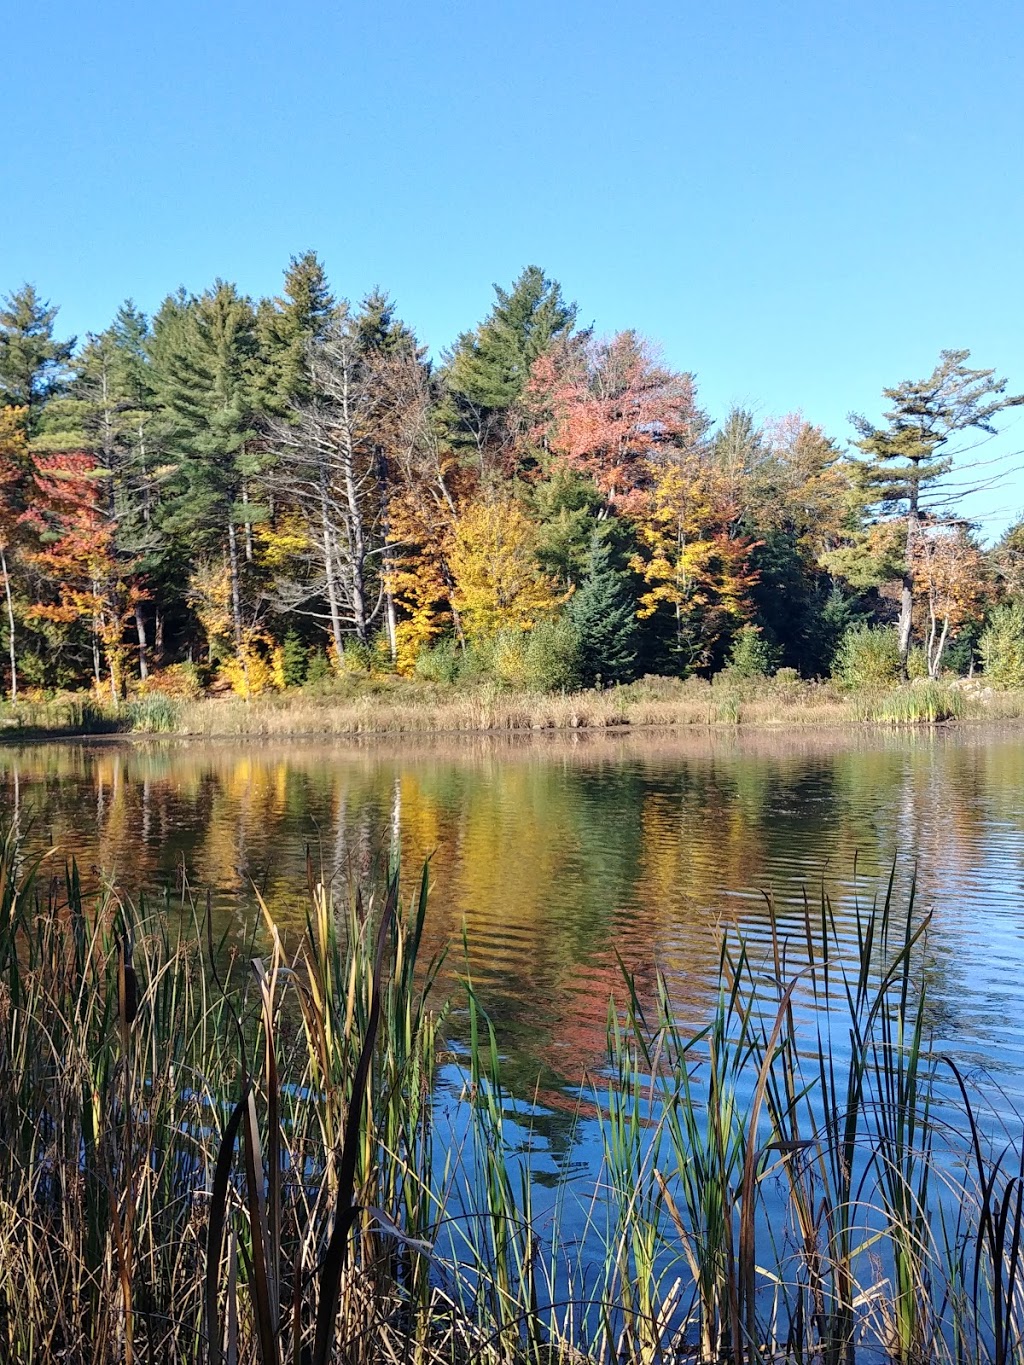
x: 256, y: 493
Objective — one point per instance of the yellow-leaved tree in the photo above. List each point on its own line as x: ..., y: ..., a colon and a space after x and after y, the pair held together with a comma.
x: 694, y: 567
x: 498, y: 582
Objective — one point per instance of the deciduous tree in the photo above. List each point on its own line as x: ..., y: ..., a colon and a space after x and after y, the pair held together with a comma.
x: 498, y: 582
x: 908, y: 458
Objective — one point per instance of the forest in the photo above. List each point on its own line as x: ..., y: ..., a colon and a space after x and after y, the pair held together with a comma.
x: 241, y: 496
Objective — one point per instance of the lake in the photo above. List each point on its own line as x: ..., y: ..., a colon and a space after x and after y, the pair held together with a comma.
x: 563, y: 854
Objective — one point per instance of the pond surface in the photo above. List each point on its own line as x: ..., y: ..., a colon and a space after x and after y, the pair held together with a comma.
x: 563, y: 854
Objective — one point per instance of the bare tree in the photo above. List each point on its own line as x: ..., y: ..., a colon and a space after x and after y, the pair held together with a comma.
x: 329, y: 468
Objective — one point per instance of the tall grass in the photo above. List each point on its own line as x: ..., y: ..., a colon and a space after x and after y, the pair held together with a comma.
x: 208, y: 1159
x: 395, y: 706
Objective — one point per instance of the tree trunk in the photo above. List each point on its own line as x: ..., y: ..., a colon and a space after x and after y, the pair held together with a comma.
x: 158, y: 640
x: 907, y: 591
x: 332, y: 587
x: 10, y: 624
x: 140, y: 626
x: 248, y: 523
x: 392, y: 624
x: 236, y: 601
x: 357, y: 540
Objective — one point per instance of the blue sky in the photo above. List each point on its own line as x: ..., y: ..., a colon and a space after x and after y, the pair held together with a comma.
x: 801, y: 202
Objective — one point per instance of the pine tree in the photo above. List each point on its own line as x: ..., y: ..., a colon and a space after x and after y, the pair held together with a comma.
x: 603, y: 614
x: 286, y: 326
x: 204, y: 360
x: 33, y: 365
x: 738, y: 447
x: 909, y: 456
x: 377, y: 330
x: 489, y: 367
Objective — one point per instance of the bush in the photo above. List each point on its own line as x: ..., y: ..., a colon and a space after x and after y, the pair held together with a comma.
x: 440, y: 663
x: 1002, y: 646
x: 751, y: 655
x: 184, y: 681
x: 917, y: 663
x: 553, y: 657
x: 868, y: 657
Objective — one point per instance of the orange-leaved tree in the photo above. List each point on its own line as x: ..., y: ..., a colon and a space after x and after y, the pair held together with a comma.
x: 14, y: 475
x: 951, y: 583
x: 77, y: 548
x: 604, y: 406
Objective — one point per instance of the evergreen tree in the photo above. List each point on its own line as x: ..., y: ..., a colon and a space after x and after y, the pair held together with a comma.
x: 378, y: 331
x: 205, y: 353
x: 286, y: 326
x: 570, y: 509
x: 739, y: 447
x: 33, y: 364
x: 603, y: 614
x: 908, y: 457
x: 489, y: 367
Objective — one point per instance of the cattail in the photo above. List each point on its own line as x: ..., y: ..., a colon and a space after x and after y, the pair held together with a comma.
x: 127, y: 983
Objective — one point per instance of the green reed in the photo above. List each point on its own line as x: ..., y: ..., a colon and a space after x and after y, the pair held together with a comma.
x: 214, y: 1156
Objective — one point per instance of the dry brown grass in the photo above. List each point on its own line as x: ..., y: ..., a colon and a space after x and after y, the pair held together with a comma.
x: 367, y: 706
x: 656, y: 704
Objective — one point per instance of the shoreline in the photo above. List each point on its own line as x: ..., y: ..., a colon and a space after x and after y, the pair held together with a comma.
x: 786, y: 727
x: 394, y: 710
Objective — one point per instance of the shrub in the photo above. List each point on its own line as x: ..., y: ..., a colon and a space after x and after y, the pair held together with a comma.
x: 439, y: 663
x: 553, y: 656
x: 183, y: 681
x: 248, y: 673
x: 1002, y: 646
x: 867, y: 657
x: 917, y: 663
x: 751, y: 655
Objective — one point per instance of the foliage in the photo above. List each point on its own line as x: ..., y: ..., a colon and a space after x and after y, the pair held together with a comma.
x: 751, y: 655
x: 602, y: 613
x: 243, y: 482
x: 868, y: 656
x: 605, y: 407
x: 439, y: 663
x: 908, y: 458
x: 489, y: 367
x: 698, y: 573
x: 33, y: 365
x: 498, y: 584
x: 1001, y: 646
x: 294, y: 660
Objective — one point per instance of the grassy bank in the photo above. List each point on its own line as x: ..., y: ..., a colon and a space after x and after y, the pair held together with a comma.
x: 200, y: 1161
x: 390, y: 706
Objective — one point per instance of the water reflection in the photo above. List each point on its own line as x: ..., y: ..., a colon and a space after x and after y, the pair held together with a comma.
x: 561, y: 855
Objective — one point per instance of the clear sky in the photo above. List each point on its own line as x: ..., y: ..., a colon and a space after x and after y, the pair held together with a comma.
x: 800, y: 201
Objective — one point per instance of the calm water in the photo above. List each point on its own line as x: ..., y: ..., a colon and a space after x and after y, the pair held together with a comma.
x: 557, y: 854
